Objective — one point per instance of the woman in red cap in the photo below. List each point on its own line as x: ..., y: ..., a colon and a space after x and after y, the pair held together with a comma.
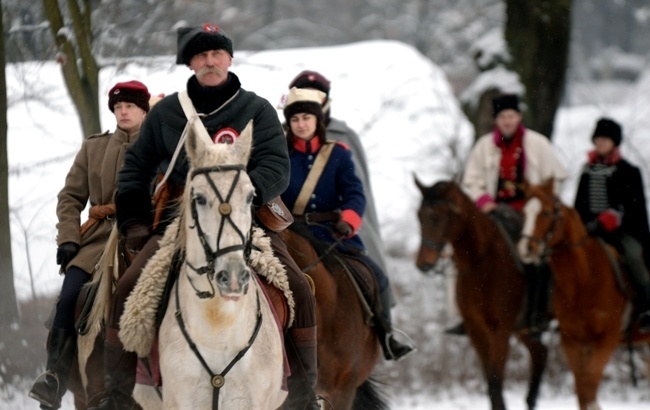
x: 91, y: 179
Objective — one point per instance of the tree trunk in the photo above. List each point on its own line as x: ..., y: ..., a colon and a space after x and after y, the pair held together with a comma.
x: 537, y: 34
x: 78, y: 65
x: 8, y: 303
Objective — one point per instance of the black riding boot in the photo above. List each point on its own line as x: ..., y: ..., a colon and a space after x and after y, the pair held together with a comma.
x: 539, y: 278
x: 51, y: 385
x: 119, y: 377
x: 393, y: 350
x: 302, y: 353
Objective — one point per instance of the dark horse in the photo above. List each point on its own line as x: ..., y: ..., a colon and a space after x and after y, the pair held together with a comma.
x: 490, y: 288
x: 588, y: 301
x: 348, y: 349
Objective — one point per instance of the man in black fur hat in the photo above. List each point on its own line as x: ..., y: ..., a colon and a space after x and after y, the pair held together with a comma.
x: 224, y: 108
x: 497, y: 165
x: 611, y: 203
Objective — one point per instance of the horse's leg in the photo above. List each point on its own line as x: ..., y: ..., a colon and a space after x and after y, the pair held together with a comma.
x: 587, y: 362
x: 492, y: 349
x: 538, y: 357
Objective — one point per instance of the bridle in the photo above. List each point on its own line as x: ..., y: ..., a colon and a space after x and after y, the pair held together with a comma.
x: 225, y: 209
x: 430, y: 243
x: 555, y: 223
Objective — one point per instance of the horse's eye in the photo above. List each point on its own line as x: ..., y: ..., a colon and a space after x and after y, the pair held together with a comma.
x: 200, y: 199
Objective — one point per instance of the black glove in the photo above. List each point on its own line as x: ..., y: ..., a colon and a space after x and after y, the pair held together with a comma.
x: 343, y: 228
x: 592, y: 227
x: 65, y: 252
x: 136, y: 235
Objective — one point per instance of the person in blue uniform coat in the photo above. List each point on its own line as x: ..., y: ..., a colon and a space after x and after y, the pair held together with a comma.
x: 338, y: 189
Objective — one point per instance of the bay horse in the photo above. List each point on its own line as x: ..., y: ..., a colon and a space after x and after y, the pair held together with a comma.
x: 348, y: 348
x: 219, y: 344
x: 588, y: 297
x: 490, y: 286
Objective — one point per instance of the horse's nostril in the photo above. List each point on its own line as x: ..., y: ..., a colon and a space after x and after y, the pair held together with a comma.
x: 245, y: 275
x: 222, y: 277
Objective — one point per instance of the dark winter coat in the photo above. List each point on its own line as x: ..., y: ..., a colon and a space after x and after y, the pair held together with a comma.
x: 338, y: 188
x: 268, y: 166
x: 91, y: 179
x: 625, y: 194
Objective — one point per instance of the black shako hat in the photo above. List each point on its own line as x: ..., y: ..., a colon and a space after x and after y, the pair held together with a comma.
x: 606, y: 127
x: 191, y: 41
x: 505, y: 102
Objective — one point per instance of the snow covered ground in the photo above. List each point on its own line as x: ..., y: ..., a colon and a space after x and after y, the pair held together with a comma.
x: 409, y: 122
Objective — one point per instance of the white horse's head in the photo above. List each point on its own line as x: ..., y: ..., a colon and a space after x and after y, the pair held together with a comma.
x: 218, y: 215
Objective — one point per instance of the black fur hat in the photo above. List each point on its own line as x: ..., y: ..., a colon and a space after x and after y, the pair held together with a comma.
x: 505, y: 102
x: 194, y: 40
x: 606, y: 127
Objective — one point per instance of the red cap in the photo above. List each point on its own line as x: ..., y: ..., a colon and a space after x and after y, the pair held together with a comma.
x: 130, y: 91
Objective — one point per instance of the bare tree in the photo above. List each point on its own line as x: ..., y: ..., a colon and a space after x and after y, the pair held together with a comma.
x: 8, y: 305
x: 78, y: 65
x: 537, y: 33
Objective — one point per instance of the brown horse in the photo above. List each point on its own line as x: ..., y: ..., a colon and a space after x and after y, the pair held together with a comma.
x: 348, y: 349
x: 588, y: 301
x: 490, y: 287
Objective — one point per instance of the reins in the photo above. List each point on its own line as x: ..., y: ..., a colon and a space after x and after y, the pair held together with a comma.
x: 217, y: 380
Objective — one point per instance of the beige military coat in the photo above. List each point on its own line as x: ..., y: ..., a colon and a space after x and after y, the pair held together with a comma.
x: 91, y: 180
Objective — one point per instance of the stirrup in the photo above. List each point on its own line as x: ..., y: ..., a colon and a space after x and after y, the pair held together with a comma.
x: 39, y: 398
x: 409, y: 344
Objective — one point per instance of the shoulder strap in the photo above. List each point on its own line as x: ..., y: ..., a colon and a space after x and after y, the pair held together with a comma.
x: 312, y: 178
x: 192, y: 116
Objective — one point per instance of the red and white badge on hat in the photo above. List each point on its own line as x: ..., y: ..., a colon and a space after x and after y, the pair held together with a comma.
x: 211, y: 28
x: 225, y: 136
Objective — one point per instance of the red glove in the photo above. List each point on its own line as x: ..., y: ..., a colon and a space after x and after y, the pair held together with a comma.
x: 610, y: 219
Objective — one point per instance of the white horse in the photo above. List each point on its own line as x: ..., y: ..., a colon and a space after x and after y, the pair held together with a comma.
x: 219, y: 344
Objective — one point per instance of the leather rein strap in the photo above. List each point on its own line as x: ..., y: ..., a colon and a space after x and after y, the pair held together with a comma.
x: 217, y: 380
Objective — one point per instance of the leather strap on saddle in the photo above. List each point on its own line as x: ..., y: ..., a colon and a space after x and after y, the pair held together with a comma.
x: 312, y: 178
x: 96, y: 213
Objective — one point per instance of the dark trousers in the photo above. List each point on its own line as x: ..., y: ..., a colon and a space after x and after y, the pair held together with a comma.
x: 305, y: 302
x: 73, y: 281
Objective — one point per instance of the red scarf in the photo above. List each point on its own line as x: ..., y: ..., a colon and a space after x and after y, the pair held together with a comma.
x: 610, y: 159
x: 512, y: 166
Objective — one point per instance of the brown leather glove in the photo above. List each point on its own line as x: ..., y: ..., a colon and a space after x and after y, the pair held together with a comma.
x: 136, y: 235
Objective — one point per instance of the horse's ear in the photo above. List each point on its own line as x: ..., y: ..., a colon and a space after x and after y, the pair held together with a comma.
x: 244, y: 143
x: 419, y: 184
x: 195, y: 144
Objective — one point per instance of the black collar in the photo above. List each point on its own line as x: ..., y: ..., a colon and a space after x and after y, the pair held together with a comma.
x: 208, y: 99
